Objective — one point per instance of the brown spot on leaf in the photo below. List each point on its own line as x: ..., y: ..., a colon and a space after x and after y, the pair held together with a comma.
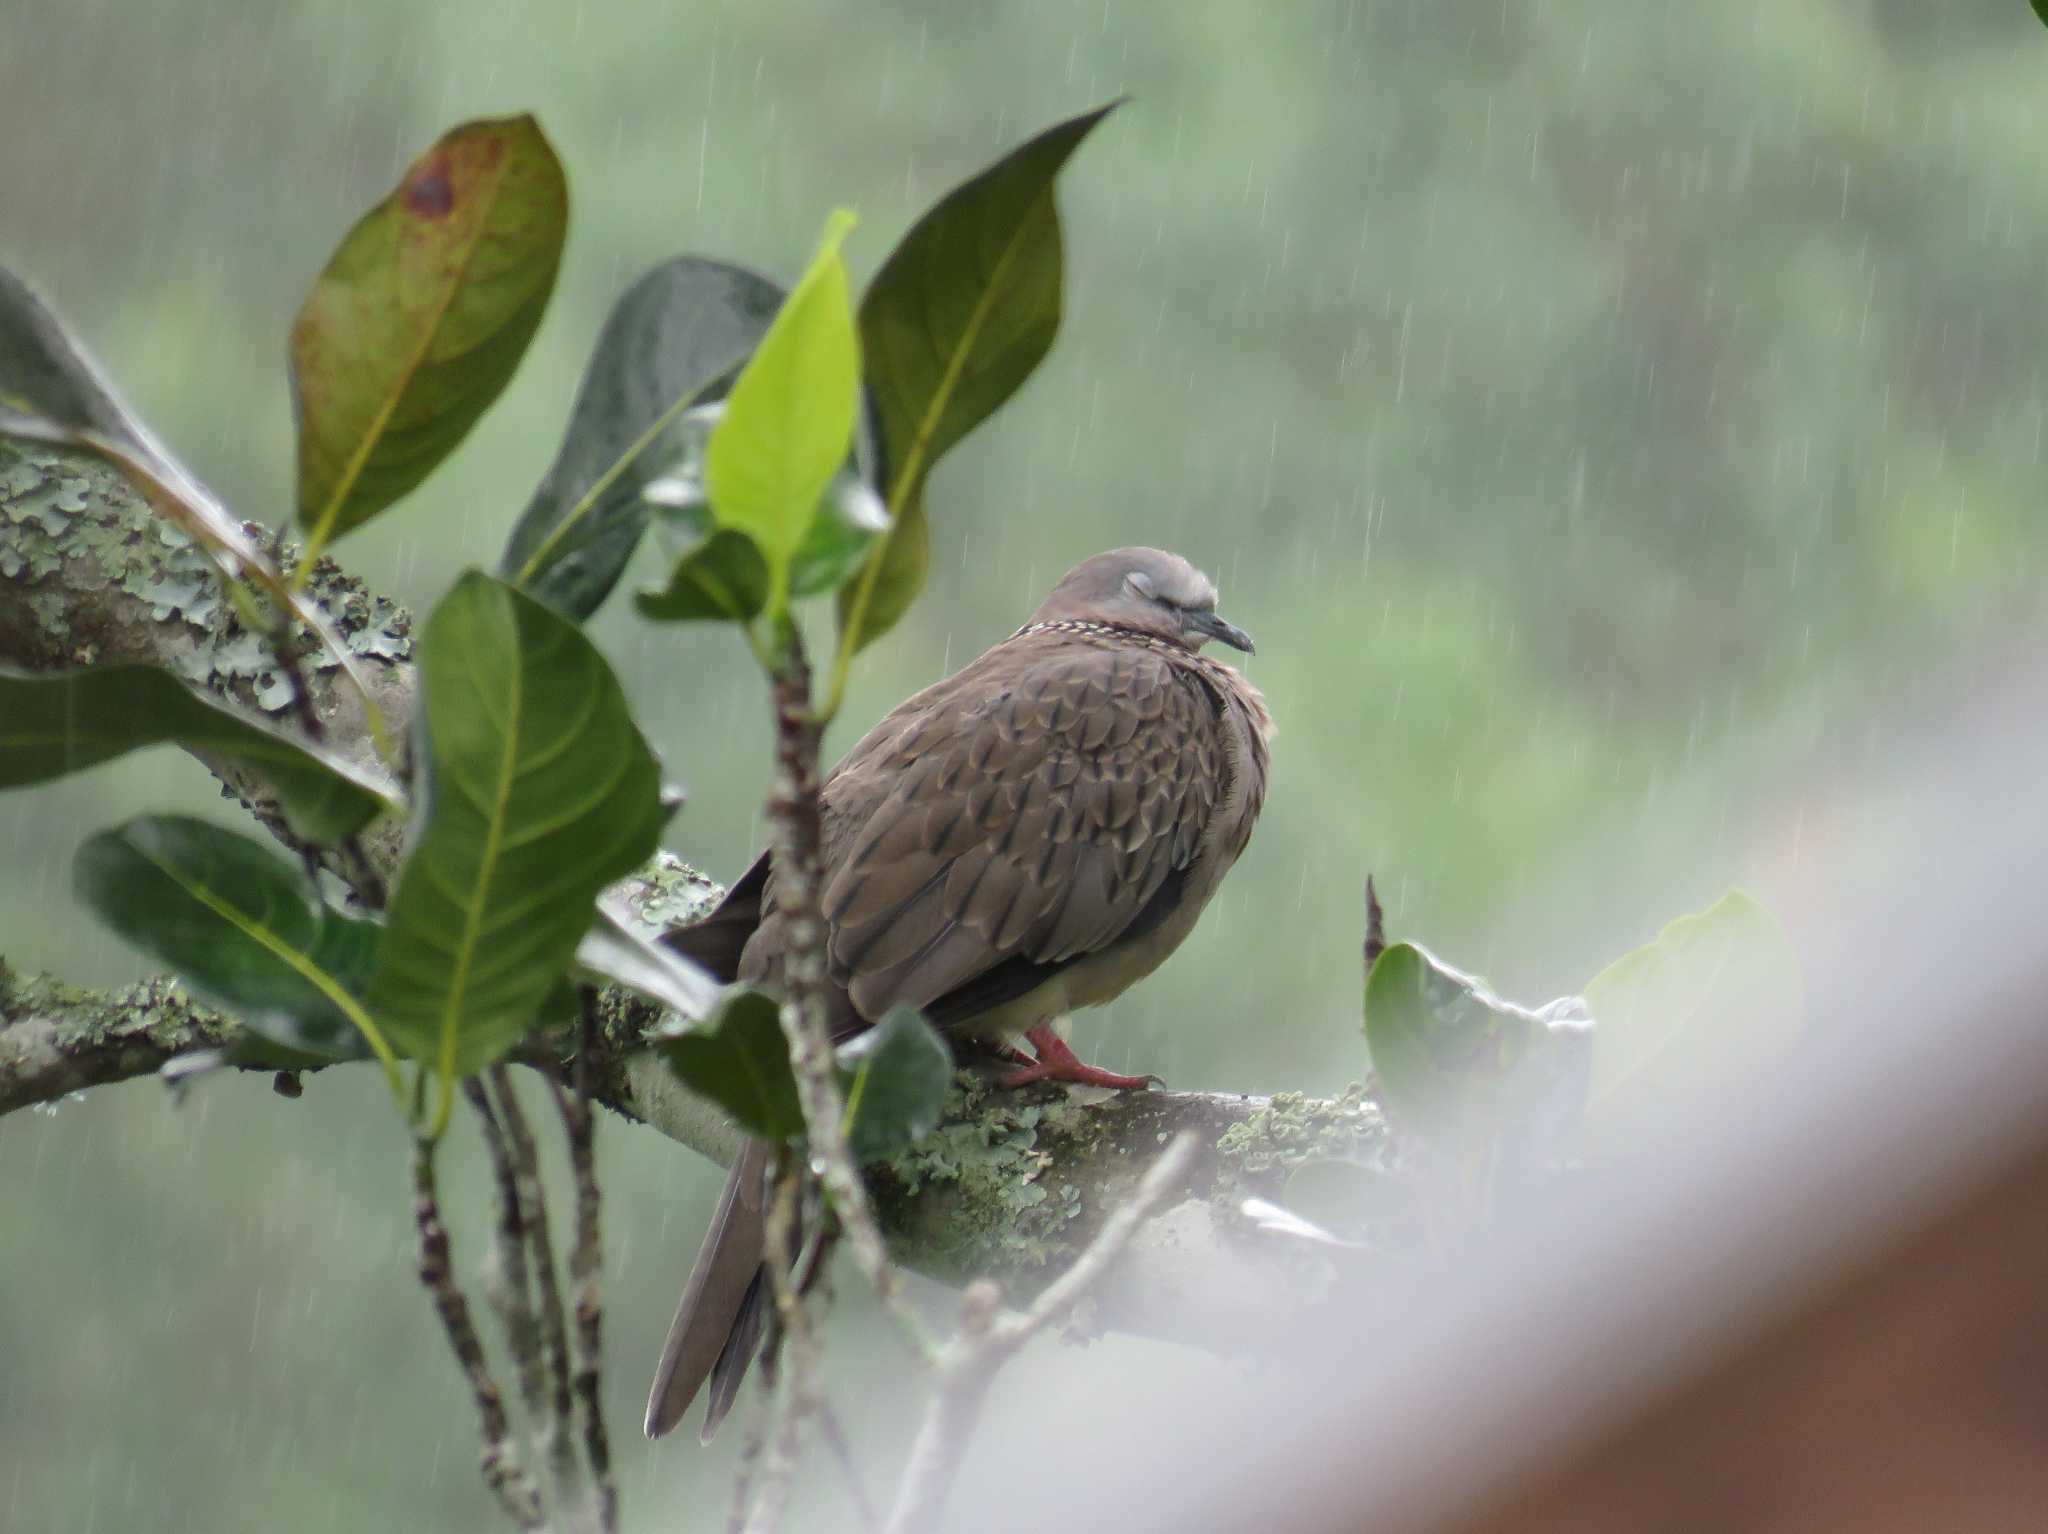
x: 429, y: 191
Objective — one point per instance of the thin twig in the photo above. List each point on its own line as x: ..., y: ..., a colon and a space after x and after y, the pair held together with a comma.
x: 585, y: 1267
x: 1375, y: 925
x: 554, y: 1326
x: 502, y: 1471
x: 988, y: 1339
x: 794, y: 808
x: 512, y: 1293
x: 835, y: 1439
x: 795, y: 1395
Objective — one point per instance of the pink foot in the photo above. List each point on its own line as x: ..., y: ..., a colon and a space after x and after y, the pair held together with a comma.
x: 1056, y: 1062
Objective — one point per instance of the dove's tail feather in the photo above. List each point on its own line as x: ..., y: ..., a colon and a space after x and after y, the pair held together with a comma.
x: 718, y: 1324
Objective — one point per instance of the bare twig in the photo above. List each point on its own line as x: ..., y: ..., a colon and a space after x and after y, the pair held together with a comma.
x: 502, y: 1471
x: 512, y: 1293
x: 795, y: 1395
x: 794, y: 808
x: 835, y: 1439
x: 585, y: 1268
x: 1375, y: 925
x: 554, y: 1328
x: 988, y: 1339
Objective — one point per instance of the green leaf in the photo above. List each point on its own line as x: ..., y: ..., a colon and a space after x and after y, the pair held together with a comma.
x: 724, y: 578
x: 1715, y: 991
x: 952, y: 325
x: 1459, y: 1066
x: 788, y: 426
x: 674, y: 341
x: 848, y: 522
x: 420, y: 317
x: 239, y: 924
x: 52, y: 725
x: 894, y: 1077
x: 741, y: 1063
x: 538, y: 791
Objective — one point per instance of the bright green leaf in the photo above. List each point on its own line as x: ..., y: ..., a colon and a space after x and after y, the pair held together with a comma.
x: 894, y: 1077
x: 741, y: 1063
x: 1716, y: 991
x: 240, y: 925
x: 538, y: 792
x: 420, y: 318
x: 56, y: 724
x: 788, y: 425
x: 958, y: 317
x: 673, y: 342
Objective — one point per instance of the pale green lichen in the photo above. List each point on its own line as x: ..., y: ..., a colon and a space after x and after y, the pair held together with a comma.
x: 670, y: 893
x: 986, y: 1168
x: 71, y: 525
x: 1291, y: 1129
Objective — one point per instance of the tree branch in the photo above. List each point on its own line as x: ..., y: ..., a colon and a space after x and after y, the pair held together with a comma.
x: 1014, y: 1186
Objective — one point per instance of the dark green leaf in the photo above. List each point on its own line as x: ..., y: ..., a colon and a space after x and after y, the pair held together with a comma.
x: 724, y: 577
x: 788, y: 426
x: 420, y: 318
x: 240, y: 925
x: 1461, y: 1067
x: 675, y: 340
x: 894, y: 1077
x: 1717, y: 991
x: 741, y: 1063
x: 952, y: 325
x: 538, y: 791
x: 52, y: 725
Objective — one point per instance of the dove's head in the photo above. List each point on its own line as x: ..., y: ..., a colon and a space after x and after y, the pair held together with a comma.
x: 1148, y: 591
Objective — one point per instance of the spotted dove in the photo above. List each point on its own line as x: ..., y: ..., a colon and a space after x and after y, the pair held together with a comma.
x: 1033, y: 834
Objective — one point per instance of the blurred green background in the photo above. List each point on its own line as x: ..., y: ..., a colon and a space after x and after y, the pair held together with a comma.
x: 1599, y: 413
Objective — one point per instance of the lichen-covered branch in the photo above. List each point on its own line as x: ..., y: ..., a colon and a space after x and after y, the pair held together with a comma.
x: 1014, y: 1185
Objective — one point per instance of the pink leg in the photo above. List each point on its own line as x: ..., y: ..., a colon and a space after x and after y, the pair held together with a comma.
x: 1056, y: 1062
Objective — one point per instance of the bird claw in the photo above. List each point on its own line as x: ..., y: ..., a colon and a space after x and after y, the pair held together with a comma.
x: 1057, y: 1062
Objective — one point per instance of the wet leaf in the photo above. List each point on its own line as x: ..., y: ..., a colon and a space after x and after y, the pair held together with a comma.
x: 723, y: 578
x: 240, y: 925
x: 1461, y: 1067
x: 420, y: 317
x: 1717, y: 992
x: 849, y: 520
x: 675, y: 341
x: 741, y: 1063
x: 56, y: 724
x: 787, y: 428
x: 894, y: 1077
x: 537, y: 791
x: 958, y: 317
